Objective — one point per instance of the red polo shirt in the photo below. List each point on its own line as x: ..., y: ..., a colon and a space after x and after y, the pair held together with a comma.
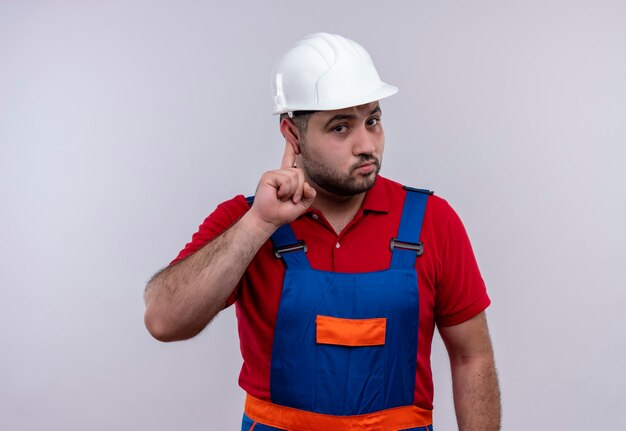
x: 451, y: 289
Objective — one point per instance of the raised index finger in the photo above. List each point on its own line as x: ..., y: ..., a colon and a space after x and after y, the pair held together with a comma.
x: 289, y: 157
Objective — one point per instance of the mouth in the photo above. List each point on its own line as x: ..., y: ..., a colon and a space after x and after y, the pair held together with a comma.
x: 367, y: 167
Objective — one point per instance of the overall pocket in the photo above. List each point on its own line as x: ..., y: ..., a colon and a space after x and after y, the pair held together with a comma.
x: 350, y: 365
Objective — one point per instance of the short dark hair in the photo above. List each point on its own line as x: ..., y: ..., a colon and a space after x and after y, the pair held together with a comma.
x: 300, y: 119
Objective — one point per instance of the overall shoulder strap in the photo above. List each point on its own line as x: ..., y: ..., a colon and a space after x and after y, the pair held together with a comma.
x: 407, y: 245
x: 287, y: 247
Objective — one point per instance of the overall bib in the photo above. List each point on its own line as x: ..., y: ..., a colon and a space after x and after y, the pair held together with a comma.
x: 345, y: 344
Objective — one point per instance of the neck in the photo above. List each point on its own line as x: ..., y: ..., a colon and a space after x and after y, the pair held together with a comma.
x: 338, y: 210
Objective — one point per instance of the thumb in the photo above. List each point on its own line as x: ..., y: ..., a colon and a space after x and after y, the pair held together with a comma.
x: 308, y: 195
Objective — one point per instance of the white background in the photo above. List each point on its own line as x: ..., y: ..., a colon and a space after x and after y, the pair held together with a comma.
x: 124, y: 123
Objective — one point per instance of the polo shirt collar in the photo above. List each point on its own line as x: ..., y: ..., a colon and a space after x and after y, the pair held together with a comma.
x: 377, y: 198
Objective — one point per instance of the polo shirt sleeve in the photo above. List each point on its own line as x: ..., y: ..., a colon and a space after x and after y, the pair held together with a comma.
x: 221, y: 219
x: 461, y: 293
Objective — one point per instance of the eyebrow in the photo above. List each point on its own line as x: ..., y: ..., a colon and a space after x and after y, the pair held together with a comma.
x: 350, y: 116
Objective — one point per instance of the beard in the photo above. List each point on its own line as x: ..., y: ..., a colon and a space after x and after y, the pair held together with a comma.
x: 338, y: 183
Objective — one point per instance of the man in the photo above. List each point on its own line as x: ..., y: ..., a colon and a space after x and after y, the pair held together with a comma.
x: 338, y: 274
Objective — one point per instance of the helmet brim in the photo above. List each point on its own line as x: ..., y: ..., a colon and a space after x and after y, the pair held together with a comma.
x: 382, y: 92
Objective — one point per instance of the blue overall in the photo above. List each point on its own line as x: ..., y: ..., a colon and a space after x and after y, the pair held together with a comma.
x: 338, y: 379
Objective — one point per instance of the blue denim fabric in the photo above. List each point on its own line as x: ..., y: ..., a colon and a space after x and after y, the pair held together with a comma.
x: 246, y: 425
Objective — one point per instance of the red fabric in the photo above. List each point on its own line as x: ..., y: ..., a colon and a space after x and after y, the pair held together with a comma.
x: 451, y: 289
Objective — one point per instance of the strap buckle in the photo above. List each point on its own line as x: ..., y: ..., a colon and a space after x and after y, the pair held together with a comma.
x: 300, y: 245
x: 418, y: 247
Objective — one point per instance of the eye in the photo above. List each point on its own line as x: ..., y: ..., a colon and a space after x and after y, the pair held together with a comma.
x: 373, y: 122
x: 340, y: 129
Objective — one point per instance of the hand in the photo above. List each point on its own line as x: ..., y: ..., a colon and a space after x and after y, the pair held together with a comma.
x: 283, y: 195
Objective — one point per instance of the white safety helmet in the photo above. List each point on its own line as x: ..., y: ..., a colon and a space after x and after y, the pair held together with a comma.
x: 324, y: 72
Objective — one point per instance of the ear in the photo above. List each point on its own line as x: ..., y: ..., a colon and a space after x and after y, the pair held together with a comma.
x: 290, y: 133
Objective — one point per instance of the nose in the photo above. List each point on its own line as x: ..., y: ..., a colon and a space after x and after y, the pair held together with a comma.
x: 364, y: 141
